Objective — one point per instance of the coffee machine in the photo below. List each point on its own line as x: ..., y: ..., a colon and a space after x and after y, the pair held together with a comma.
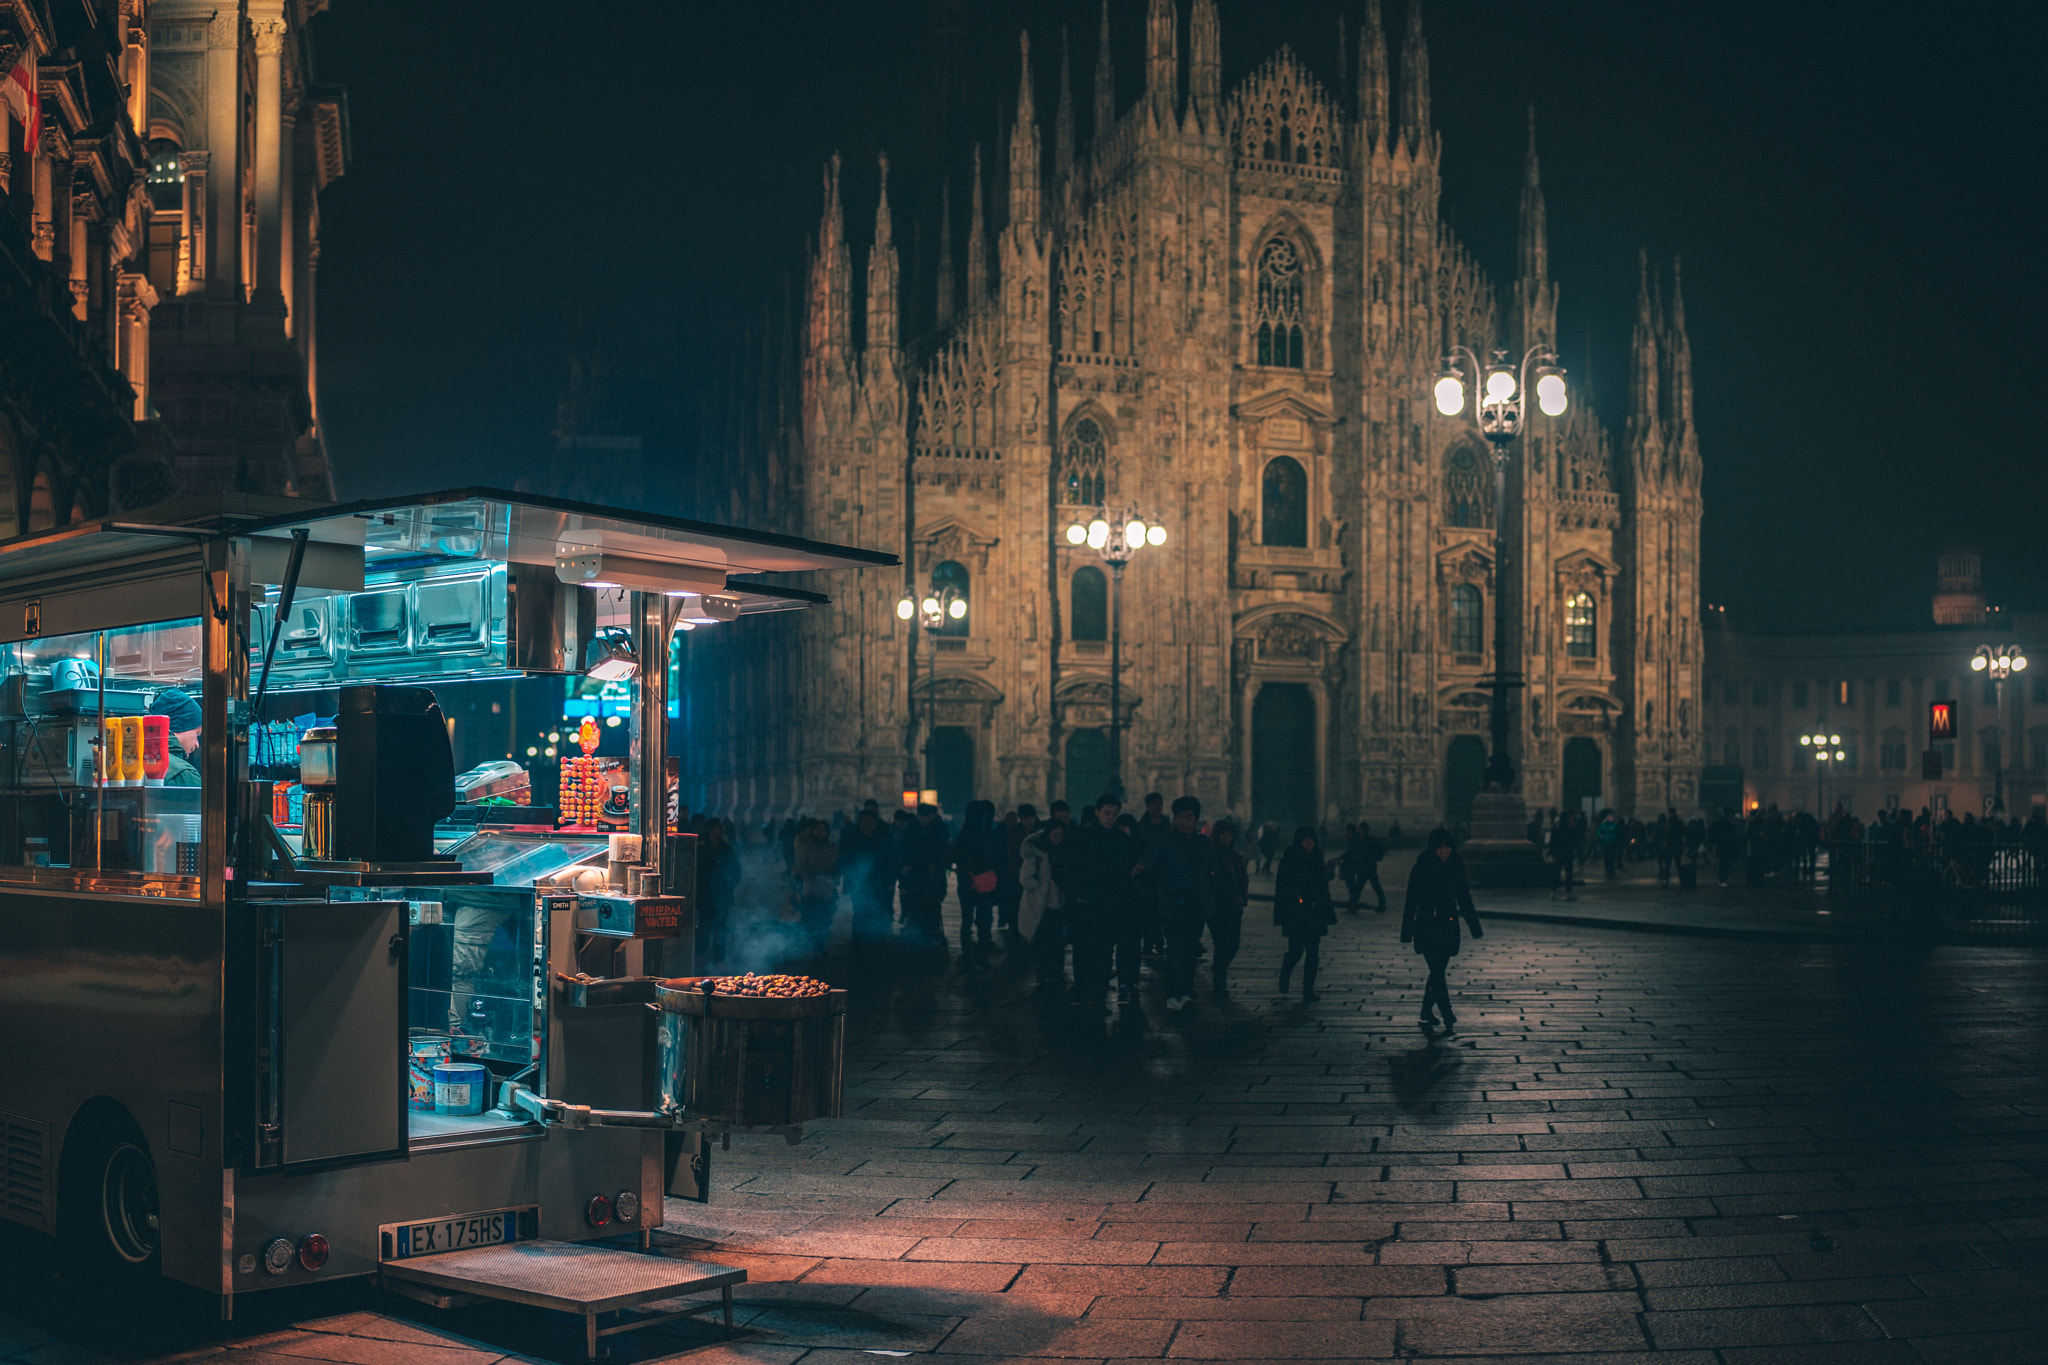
x: 394, y: 774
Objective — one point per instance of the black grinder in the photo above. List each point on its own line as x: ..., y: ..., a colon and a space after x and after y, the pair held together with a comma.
x: 394, y: 774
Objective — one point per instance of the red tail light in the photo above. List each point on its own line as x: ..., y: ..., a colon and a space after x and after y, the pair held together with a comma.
x: 312, y: 1251
x: 599, y: 1211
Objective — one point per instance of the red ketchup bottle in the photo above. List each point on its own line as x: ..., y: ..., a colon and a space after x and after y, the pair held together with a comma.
x: 156, y: 749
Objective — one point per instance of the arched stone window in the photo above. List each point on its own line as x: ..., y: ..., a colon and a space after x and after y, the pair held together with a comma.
x: 1468, y: 492
x: 1084, y: 465
x: 1279, y: 312
x: 1090, y: 595
x: 1581, y: 622
x: 1283, y: 510
x: 951, y: 574
x: 1468, y: 629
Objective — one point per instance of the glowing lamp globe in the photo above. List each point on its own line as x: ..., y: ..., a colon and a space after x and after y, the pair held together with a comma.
x: 1077, y: 534
x: 1500, y: 385
x: 1134, y: 534
x: 1550, y: 395
x: 956, y: 609
x: 2019, y: 662
x: 1450, y: 395
x: 1156, y: 535
x: 1978, y: 663
x: 1098, y: 533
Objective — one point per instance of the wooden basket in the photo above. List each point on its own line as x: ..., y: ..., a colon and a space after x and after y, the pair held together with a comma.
x: 752, y: 1062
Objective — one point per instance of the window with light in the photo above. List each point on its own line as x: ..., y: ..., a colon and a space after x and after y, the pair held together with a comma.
x: 1581, y: 617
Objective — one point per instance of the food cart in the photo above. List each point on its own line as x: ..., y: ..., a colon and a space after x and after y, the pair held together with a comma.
x: 306, y: 970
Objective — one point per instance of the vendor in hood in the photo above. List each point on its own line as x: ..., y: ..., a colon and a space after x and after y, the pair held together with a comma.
x: 183, y: 713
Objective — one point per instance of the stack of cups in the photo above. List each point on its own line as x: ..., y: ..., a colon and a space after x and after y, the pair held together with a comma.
x: 622, y: 852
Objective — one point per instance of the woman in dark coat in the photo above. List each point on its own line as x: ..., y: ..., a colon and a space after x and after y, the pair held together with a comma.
x: 1438, y: 896
x: 1302, y: 909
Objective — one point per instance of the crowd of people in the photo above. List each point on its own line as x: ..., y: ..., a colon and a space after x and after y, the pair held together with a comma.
x: 1097, y: 900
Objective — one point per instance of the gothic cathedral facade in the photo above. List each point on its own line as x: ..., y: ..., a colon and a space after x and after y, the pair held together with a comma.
x: 1224, y: 310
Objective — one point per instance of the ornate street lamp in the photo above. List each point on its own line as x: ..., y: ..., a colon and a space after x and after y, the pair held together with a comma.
x: 2000, y: 662
x: 1503, y: 390
x: 1116, y: 533
x: 1825, y: 749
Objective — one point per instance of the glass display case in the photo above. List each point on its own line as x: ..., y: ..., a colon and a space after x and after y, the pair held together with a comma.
x: 100, y: 733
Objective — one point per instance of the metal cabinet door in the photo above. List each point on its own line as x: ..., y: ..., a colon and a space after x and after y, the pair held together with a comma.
x: 341, y: 983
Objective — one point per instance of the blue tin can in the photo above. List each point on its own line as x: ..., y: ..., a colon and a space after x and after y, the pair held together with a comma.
x: 461, y: 1088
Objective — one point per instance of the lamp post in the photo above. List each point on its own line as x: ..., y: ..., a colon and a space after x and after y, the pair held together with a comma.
x: 1825, y: 749
x: 924, y: 611
x: 1116, y: 533
x: 1503, y: 390
x: 2001, y: 662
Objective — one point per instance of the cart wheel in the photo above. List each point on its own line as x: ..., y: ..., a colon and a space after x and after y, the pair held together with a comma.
x: 113, y: 1216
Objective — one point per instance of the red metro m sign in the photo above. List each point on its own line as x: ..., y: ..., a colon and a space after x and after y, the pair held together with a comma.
x: 1941, y: 720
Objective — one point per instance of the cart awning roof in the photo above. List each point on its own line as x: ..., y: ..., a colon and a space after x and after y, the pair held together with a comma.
x: 466, y: 523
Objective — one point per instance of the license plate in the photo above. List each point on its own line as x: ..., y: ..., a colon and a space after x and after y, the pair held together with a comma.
x: 431, y: 1237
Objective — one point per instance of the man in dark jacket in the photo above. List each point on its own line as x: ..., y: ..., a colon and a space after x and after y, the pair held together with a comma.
x: 1438, y: 897
x: 1180, y: 863
x: 1093, y: 870
x: 867, y: 864
x: 926, y: 854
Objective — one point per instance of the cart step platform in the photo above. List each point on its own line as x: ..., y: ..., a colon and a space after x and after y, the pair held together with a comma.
x: 569, y: 1277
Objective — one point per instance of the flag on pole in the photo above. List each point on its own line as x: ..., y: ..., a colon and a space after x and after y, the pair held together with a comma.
x: 19, y: 89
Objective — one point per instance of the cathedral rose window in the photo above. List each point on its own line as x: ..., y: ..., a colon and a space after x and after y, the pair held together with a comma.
x: 1278, y: 306
x: 1083, y: 467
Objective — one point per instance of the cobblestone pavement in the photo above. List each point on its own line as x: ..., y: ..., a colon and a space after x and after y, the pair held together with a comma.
x: 1633, y: 1147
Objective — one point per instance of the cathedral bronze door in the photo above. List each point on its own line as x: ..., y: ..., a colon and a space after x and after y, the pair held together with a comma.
x: 949, y: 758
x: 1284, y: 755
x: 1581, y: 771
x: 1089, y: 770
x: 1464, y: 770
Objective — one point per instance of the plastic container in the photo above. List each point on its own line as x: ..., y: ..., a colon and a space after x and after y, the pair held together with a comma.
x: 133, y: 733
x: 427, y: 1051
x: 156, y: 749
x: 461, y: 1087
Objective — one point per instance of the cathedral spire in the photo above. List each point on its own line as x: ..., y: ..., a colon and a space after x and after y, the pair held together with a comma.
x: 1645, y: 435
x: 1105, y: 82
x: 1205, y: 66
x: 977, y: 243
x: 945, y: 301
x: 1024, y: 173
x: 1063, y: 121
x: 1415, y: 81
x: 1678, y: 346
x: 832, y: 277
x: 1373, y: 84
x: 882, y: 282
x: 1533, y: 254
x: 1162, y: 62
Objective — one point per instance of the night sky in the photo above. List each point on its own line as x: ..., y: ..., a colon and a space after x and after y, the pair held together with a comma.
x: 1853, y: 189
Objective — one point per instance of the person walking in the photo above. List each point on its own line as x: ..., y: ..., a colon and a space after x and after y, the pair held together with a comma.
x: 1226, y: 906
x: 1042, y: 909
x: 1438, y: 896
x: 1360, y: 866
x: 867, y: 864
x: 1269, y: 845
x: 1563, y: 851
x: 815, y: 868
x: 1609, y: 834
x: 1095, y: 881
x: 925, y: 855
x: 1179, y: 864
x: 1018, y: 826
x: 977, y: 853
x: 1302, y: 909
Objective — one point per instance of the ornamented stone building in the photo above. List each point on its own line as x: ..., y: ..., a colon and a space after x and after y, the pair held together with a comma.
x: 1226, y: 309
